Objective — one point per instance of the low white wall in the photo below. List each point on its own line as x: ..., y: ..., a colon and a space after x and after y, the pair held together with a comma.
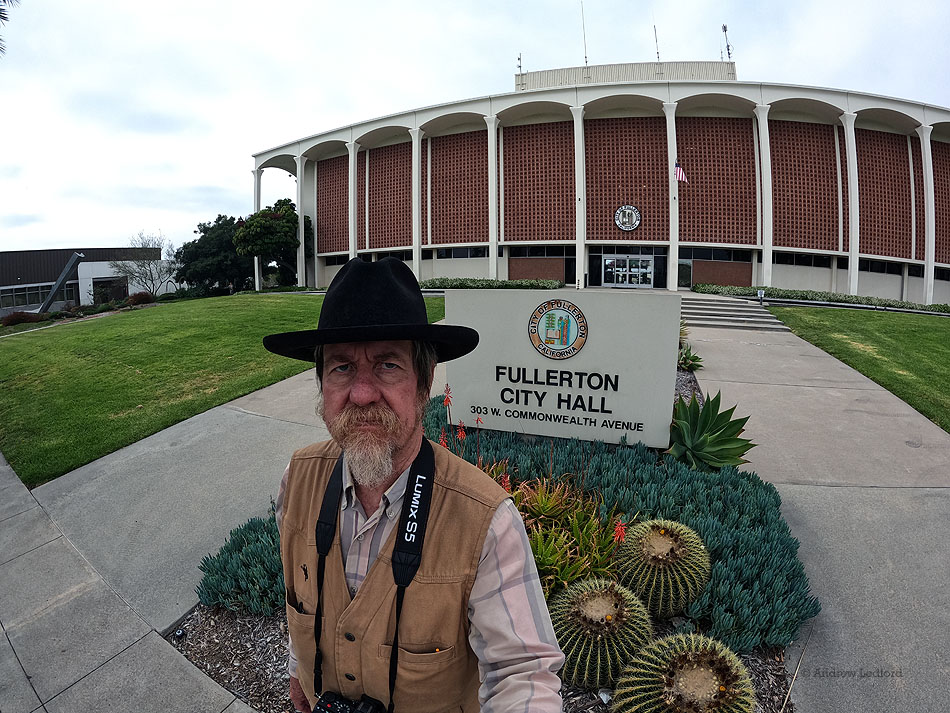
x: 874, y: 284
x: 797, y: 277
x: 915, y: 289
x: 89, y: 271
x: 941, y: 292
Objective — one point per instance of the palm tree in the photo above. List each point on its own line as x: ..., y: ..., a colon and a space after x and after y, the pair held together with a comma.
x: 4, y: 4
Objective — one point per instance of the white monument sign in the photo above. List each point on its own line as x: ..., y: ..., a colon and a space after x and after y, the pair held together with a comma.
x: 594, y: 365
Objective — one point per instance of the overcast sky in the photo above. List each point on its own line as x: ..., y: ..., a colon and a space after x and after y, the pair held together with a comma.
x: 120, y: 117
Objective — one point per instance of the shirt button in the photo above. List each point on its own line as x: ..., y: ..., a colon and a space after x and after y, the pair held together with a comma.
x: 350, y: 677
x: 349, y: 636
x: 353, y: 590
x: 359, y: 537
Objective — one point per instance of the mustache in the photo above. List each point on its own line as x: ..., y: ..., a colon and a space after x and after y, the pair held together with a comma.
x: 373, y: 415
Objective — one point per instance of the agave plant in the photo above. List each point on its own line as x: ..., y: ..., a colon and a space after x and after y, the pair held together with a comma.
x: 706, y: 439
x: 688, y: 360
x: 665, y: 564
x: 600, y: 625
x: 685, y: 673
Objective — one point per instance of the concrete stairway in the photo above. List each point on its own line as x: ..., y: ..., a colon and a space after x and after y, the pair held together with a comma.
x: 727, y: 312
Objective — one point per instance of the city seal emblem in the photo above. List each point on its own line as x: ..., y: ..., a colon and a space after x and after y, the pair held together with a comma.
x: 557, y: 329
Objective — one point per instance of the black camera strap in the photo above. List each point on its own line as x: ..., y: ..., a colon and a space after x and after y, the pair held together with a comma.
x: 407, y: 552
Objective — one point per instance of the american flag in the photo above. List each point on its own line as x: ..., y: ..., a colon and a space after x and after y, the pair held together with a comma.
x: 680, y: 173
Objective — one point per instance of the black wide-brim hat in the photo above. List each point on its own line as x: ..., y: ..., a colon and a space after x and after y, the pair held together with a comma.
x: 374, y: 302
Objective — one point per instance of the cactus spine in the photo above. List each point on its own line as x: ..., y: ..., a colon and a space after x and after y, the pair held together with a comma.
x: 686, y: 673
x: 665, y: 564
x: 599, y: 625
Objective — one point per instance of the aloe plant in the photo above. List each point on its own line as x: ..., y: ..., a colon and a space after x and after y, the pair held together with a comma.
x: 705, y: 438
x: 688, y: 360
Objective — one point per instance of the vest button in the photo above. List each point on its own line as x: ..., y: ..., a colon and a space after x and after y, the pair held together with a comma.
x: 350, y: 677
x: 349, y: 636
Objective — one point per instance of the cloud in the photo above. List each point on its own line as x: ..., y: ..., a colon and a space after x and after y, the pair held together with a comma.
x: 129, y: 113
x: 19, y: 220
x: 10, y: 171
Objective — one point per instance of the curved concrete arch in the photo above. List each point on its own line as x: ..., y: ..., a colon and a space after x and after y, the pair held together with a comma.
x: 862, y: 103
x: 941, y: 131
x: 889, y: 120
x: 325, y: 149
x: 658, y: 91
x: 715, y: 104
x: 383, y: 136
x: 456, y: 122
x: 715, y: 93
x: 805, y: 109
x: 285, y: 161
x: 620, y: 105
x: 565, y: 97
x: 535, y: 112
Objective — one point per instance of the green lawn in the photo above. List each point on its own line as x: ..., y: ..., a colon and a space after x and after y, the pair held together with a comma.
x: 80, y: 390
x: 907, y: 354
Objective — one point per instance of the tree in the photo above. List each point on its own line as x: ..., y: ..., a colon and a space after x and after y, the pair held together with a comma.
x: 212, y: 260
x: 150, y: 274
x: 271, y: 234
x: 4, y: 17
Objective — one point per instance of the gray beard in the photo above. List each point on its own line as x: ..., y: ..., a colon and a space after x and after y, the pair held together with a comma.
x: 370, y: 461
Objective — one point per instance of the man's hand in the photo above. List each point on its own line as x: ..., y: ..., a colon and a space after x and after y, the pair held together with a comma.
x: 297, y: 697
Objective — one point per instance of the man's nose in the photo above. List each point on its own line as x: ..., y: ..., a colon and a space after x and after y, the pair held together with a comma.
x: 364, y: 390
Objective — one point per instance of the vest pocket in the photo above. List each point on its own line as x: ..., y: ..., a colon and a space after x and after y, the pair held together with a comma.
x: 424, y: 654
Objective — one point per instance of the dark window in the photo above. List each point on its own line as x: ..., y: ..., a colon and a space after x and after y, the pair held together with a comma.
x: 822, y: 261
x: 501, y: 251
x: 478, y: 252
x: 595, y: 250
x: 878, y: 266
x: 443, y: 253
x: 459, y: 252
x: 942, y: 273
x: 554, y: 251
x: 646, y: 250
x: 702, y: 253
x: 842, y: 263
x: 895, y: 268
x: 741, y: 256
x: 535, y: 251
x: 366, y: 257
x: 426, y: 254
x: 864, y: 265
x: 803, y: 260
x: 783, y: 258
x: 722, y: 255
x: 686, y: 254
x: 518, y: 251
x: 659, y: 250
x: 915, y: 270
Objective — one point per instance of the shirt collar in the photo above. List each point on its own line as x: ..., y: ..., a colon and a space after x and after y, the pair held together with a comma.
x: 391, y: 498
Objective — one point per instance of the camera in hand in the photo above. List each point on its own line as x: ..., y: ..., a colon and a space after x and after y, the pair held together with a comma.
x: 335, y: 703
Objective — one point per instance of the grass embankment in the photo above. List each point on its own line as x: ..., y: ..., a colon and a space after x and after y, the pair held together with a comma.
x: 76, y: 392
x: 907, y: 354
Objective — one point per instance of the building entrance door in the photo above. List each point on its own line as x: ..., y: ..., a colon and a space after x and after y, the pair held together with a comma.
x: 628, y: 271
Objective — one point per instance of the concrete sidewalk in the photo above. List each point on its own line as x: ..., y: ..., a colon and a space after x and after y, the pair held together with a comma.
x: 864, y: 483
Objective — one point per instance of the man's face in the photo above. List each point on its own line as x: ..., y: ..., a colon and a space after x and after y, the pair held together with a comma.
x: 372, y: 406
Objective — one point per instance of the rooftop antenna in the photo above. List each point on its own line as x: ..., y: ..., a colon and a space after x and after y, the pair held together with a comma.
x: 657, y: 42
x: 725, y: 32
x: 584, y: 33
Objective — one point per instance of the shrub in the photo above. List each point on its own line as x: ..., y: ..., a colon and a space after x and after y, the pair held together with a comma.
x: 758, y: 592
x: 817, y: 296
x: 687, y: 360
x: 140, y: 298
x: 704, y: 438
x: 599, y: 625
x: 685, y: 673
x: 24, y: 318
x: 246, y: 573
x: 474, y: 283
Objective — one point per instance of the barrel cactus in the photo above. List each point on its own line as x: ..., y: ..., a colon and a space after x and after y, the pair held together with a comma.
x: 686, y: 673
x: 599, y: 625
x: 665, y: 564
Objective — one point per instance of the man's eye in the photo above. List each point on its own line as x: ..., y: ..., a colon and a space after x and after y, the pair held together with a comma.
x: 341, y: 368
x: 389, y: 366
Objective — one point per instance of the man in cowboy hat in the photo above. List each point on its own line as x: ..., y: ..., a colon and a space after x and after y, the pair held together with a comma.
x: 459, y: 623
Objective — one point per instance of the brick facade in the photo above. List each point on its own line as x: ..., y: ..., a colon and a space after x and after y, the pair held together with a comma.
x: 884, y: 188
x: 718, y: 204
x: 941, y: 159
x: 627, y: 165
x: 332, y: 223
x: 715, y: 272
x: 804, y: 185
x: 539, y: 182
x: 536, y: 268
x: 390, y: 196
x: 460, y: 188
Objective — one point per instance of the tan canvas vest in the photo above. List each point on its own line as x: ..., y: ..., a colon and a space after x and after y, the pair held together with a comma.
x: 437, y: 669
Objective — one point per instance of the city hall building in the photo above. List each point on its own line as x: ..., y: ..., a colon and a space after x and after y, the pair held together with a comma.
x: 639, y: 176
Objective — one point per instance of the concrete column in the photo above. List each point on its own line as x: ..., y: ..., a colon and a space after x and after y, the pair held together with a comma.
x: 257, y: 206
x: 672, y: 262
x: 930, y: 225
x: 353, y: 148
x: 854, y: 224
x: 416, y: 135
x: 580, y: 197
x: 492, y: 124
x: 301, y: 217
x: 765, y: 156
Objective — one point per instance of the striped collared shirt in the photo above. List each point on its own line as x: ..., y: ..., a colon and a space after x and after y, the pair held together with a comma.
x: 510, y: 629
